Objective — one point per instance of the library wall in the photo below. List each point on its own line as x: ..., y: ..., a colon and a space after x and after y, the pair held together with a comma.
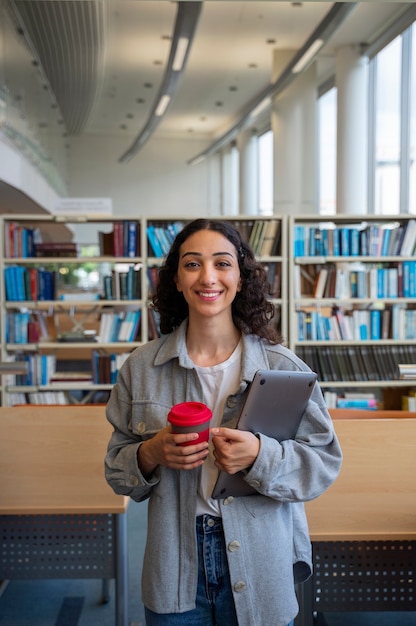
x: 157, y: 181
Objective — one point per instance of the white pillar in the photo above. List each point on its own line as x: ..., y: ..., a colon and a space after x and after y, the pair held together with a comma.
x: 248, y: 173
x: 295, y: 136
x: 351, y: 72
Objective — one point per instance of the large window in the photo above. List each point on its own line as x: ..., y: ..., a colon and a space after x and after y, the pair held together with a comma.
x: 412, y: 140
x: 327, y: 124
x: 393, y: 127
x: 265, y: 178
x: 387, y: 129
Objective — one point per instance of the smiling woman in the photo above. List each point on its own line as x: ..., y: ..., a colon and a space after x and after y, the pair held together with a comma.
x: 209, y: 554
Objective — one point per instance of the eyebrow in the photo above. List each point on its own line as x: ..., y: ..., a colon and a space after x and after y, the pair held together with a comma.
x: 215, y: 254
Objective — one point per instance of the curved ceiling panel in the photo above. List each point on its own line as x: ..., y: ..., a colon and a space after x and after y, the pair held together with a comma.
x: 68, y: 40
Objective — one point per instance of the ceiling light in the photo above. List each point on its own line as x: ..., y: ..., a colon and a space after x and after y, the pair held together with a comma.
x: 308, y: 56
x: 162, y: 106
x: 323, y: 32
x: 180, y: 53
x: 187, y: 17
x: 262, y: 106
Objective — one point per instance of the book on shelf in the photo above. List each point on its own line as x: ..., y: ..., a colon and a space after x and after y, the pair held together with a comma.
x: 407, y: 371
x: 160, y: 237
x: 56, y: 249
x: 122, y: 241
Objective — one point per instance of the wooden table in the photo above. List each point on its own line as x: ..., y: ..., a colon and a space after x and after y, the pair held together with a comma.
x: 363, y: 528
x: 59, y: 518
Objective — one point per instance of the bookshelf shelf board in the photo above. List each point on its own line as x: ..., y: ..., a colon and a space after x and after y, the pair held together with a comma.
x: 354, y: 342
x: 310, y: 301
x: 69, y: 304
x: 79, y: 345
x: 364, y: 384
x: 80, y: 386
x: 47, y: 260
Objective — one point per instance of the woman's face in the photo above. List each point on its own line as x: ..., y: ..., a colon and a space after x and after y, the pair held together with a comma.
x: 208, y: 274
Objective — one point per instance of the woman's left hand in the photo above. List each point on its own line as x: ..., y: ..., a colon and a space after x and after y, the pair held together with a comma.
x: 234, y: 450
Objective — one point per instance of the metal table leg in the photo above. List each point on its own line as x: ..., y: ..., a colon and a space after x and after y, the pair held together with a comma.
x: 304, y: 593
x: 121, y: 570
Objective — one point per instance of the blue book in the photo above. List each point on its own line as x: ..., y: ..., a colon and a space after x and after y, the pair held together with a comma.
x: 375, y: 324
x: 354, y: 242
x: 385, y: 242
x: 299, y: 243
x: 381, y: 283
x: 345, y: 241
x: 131, y: 239
x: 153, y: 240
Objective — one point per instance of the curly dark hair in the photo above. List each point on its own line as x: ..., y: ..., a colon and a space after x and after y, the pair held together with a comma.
x: 251, y: 310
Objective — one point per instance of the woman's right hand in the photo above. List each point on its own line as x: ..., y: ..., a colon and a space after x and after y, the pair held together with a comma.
x: 165, y: 449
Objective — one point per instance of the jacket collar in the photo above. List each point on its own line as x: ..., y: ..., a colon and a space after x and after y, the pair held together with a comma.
x: 254, y: 355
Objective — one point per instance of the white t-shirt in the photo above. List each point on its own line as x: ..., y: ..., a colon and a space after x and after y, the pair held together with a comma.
x: 218, y: 382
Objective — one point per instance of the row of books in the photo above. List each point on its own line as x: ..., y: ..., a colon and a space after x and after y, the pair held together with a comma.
x: 30, y: 283
x: 350, y: 400
x: 364, y: 239
x: 38, y: 397
x: 40, y: 369
x: 122, y: 241
x: 123, y: 284
x: 394, y: 322
x: 339, y: 280
x: 119, y: 325
x: 161, y: 236
x: 357, y: 363
x: 19, y: 241
x: 26, y: 242
x: 105, y: 367
x: 265, y: 237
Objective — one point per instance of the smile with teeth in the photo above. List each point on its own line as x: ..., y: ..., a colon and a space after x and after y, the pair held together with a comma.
x: 209, y: 294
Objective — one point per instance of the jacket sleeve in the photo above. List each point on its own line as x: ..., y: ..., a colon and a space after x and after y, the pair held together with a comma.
x: 122, y: 471
x: 301, y: 469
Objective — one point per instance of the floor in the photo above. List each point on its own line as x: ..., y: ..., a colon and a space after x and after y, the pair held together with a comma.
x: 77, y: 602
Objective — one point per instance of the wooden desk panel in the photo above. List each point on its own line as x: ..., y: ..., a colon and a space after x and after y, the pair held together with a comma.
x: 374, y: 496
x: 52, y: 461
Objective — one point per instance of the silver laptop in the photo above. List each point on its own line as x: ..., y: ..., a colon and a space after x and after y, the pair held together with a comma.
x: 274, y: 406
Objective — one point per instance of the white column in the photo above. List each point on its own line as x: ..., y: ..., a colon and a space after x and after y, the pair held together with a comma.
x: 295, y: 148
x: 248, y: 173
x: 352, y: 97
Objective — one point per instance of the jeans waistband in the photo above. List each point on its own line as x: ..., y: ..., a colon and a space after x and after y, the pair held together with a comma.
x: 208, y: 523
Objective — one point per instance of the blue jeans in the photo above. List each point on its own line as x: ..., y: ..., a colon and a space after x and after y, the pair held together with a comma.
x: 214, y: 597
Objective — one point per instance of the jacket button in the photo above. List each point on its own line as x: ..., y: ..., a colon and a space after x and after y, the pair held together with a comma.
x: 134, y: 481
x: 233, y: 546
x: 231, y: 402
x: 254, y: 483
x: 228, y: 499
x: 240, y: 586
x: 141, y: 427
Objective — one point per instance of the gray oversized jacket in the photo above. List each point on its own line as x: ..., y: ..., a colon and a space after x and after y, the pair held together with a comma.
x: 266, y: 535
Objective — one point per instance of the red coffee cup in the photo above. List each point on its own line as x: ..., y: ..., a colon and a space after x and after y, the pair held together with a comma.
x: 190, y: 417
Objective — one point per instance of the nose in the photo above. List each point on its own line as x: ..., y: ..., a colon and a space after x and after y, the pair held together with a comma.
x: 208, y: 276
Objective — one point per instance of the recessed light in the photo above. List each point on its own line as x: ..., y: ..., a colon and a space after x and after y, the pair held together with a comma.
x: 252, y: 65
x: 157, y: 62
x: 219, y: 103
x: 130, y: 116
x: 270, y: 41
x: 148, y: 85
x: 123, y: 126
x: 233, y: 88
x: 140, y: 100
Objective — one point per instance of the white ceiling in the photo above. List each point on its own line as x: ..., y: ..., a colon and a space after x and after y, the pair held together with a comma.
x: 107, y: 58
